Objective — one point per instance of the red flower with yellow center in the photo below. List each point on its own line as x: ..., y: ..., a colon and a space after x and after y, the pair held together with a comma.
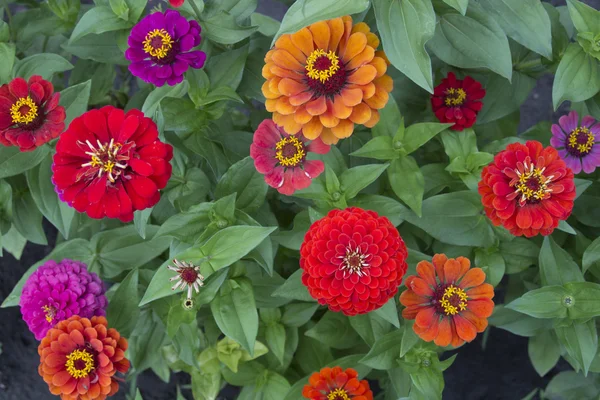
x: 528, y: 189
x: 458, y: 101
x: 448, y: 300
x: 353, y: 260
x: 79, y: 358
x: 325, y: 78
x: 337, y: 384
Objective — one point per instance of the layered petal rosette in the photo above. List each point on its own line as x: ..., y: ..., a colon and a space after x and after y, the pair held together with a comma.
x: 457, y: 101
x: 337, y: 384
x: 577, y: 144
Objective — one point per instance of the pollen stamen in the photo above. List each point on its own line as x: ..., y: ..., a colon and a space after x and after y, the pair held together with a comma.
x: 454, y: 300
x: 24, y: 111
x: 290, y: 151
x: 321, y: 65
x: 158, y: 43
x: 79, y: 364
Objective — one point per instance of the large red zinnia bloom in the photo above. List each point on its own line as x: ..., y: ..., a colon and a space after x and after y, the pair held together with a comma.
x: 353, y: 260
x: 458, y: 101
x: 29, y: 113
x: 337, y: 384
x: 79, y: 358
x: 111, y: 163
x: 448, y: 300
x: 528, y: 189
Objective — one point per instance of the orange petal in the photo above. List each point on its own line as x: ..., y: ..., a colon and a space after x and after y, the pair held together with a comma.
x: 276, y: 70
x: 355, y: 45
x: 269, y: 55
x: 361, y: 58
x: 347, y: 32
x: 361, y: 113
x: 438, y: 262
x: 274, y: 85
x: 456, y: 340
x: 285, y: 60
x: 427, y: 272
x: 300, y: 98
x: 473, y: 277
x: 328, y: 137
x: 464, y: 328
x: 432, y: 331
x: 320, y: 33
x: 483, y: 308
x: 410, y: 298
x: 380, y: 65
x: 303, y: 40
x: 444, y: 336
x: 363, y: 75
x: 372, y: 40
x: 385, y: 82
x: 287, y: 122
x: 381, y: 53
x: 452, y: 270
x: 266, y: 70
x: 290, y: 87
x: 361, y: 27
x: 312, y: 129
x: 484, y: 291
x: 374, y: 119
x: 285, y: 42
x: 61, y: 378
x: 336, y: 27
x: 351, y: 97
x: 284, y: 107
x: 410, y: 312
x: 271, y: 105
x: 368, y: 90
x: 328, y: 119
x: 379, y: 99
x: 302, y: 116
x: 420, y: 286
x: 267, y: 92
x: 317, y: 107
x: 479, y: 323
x: 339, y: 109
x: 344, y: 129
x: 425, y: 317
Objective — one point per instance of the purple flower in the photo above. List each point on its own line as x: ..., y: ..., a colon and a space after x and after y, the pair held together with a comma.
x: 159, y: 48
x: 56, y: 291
x: 577, y: 144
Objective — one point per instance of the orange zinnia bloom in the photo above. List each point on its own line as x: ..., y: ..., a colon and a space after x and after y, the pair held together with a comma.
x: 325, y: 78
x: 337, y: 384
x: 79, y: 358
x: 448, y: 300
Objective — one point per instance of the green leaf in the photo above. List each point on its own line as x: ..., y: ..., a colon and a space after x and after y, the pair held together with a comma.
x: 355, y: 179
x: 26, y: 218
x: 458, y: 5
x: 188, y: 225
x: 222, y: 93
x: 581, y: 342
x: 459, y: 144
x: 407, y: 182
x: 334, y: 330
x: 75, y: 100
x: 409, y: 339
x: 7, y: 55
x: 243, y: 179
x: 269, y: 386
x: 428, y: 383
x: 226, y: 69
x: 591, y: 256
x: 266, y: 25
x: 385, y: 351
x: 517, y: 323
x: 379, y: 148
x: 525, y: 21
x: 205, y: 385
x: 275, y: 336
x: 382, y: 205
x: 123, y: 311
x: 223, y: 28
x: 502, y: 97
x: 140, y: 221
x: 13, y: 161
x: 292, y: 239
x: 158, y: 94
x: 100, y: 48
x: 405, y: 26
x: 370, y: 327
x: 44, y: 64
x: 577, y: 77
x: 418, y: 134
x: 519, y: 254
x: 305, y: 12
x: 546, y: 302
x: 544, y: 352
x: 389, y: 312
x: 98, y: 20
x: 235, y: 312
x: 570, y: 385
x: 230, y: 244
x: 584, y: 303
x: 390, y: 120
x: 6, y: 208
x: 294, y: 289
x: 584, y: 17
x: 556, y: 265
x: 472, y: 41
x: 298, y: 314
x: 492, y: 264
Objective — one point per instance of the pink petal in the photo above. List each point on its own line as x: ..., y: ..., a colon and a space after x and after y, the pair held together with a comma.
x: 569, y: 122
x: 267, y: 134
x: 317, y: 146
x: 314, y: 168
x: 587, y: 121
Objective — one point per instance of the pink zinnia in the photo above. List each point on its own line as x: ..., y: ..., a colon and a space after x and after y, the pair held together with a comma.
x: 281, y: 158
x: 57, y: 291
x: 577, y: 144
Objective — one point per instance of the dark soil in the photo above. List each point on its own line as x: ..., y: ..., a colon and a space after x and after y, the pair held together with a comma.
x: 501, y: 371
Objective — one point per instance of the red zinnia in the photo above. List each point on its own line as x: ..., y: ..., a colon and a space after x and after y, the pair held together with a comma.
x: 337, y: 384
x: 353, y: 260
x: 29, y: 113
x: 528, y: 189
x: 79, y: 358
x: 111, y: 163
x: 448, y: 300
x: 458, y: 101
x: 176, y: 3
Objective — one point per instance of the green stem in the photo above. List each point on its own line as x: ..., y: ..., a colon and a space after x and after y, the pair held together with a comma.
x: 45, y: 43
x: 196, y: 10
x: 536, y: 62
x: 10, y: 23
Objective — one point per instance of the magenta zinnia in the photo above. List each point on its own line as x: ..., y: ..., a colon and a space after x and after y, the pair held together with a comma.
x: 577, y: 144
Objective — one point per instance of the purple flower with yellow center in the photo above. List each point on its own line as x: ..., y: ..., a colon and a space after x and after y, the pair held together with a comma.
x: 59, y: 290
x: 577, y: 144
x: 160, y: 48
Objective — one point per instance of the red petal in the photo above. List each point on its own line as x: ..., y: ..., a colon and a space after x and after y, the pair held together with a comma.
x: 141, y: 167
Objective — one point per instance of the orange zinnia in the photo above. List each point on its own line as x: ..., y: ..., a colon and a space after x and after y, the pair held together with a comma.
x: 79, y: 358
x: 325, y: 78
x: 448, y: 300
x: 336, y: 384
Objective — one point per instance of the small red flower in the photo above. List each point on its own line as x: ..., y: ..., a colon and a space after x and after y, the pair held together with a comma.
x: 29, y: 113
x: 458, y: 101
x: 353, y: 260
x: 337, y: 384
x: 282, y: 157
x: 176, y: 3
x: 111, y: 163
x: 528, y: 189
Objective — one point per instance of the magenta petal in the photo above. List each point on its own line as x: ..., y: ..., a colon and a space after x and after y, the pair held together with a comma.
x: 557, y: 132
x: 314, y: 168
x: 587, y: 121
x: 300, y: 179
x: 267, y: 134
x: 556, y: 142
x: 589, y: 164
x: 596, y: 131
x: 317, y: 146
x: 275, y: 178
x: 265, y: 163
x: 287, y: 185
x: 574, y: 163
x: 569, y: 122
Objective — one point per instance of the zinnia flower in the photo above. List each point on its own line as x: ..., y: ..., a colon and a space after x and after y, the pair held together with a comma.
x: 176, y: 3
x: 79, y: 358
x: 578, y: 145
x: 188, y: 277
x: 528, y: 189
x: 159, y: 48
x: 111, y: 163
x: 353, y: 260
x: 57, y: 291
x: 282, y: 157
x: 457, y: 101
x: 448, y: 300
x: 325, y: 78
x: 337, y: 384
x: 29, y: 113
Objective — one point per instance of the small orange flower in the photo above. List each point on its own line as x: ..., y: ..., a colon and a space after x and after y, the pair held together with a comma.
x: 448, y: 300
x: 325, y: 78
x: 79, y: 358
x: 337, y: 384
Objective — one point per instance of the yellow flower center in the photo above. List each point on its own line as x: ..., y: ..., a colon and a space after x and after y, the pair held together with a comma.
x: 50, y: 313
x: 338, y: 394
x: 582, y: 140
x: 454, y: 300
x: 321, y: 65
x: 79, y: 364
x: 455, y: 97
x: 157, y: 43
x: 106, y: 157
x: 23, y: 111
x: 532, y: 183
x: 290, y: 151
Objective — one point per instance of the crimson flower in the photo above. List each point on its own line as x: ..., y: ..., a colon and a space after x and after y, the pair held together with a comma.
x: 457, y: 101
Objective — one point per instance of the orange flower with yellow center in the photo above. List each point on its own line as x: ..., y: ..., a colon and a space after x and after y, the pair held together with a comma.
x: 325, y: 78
